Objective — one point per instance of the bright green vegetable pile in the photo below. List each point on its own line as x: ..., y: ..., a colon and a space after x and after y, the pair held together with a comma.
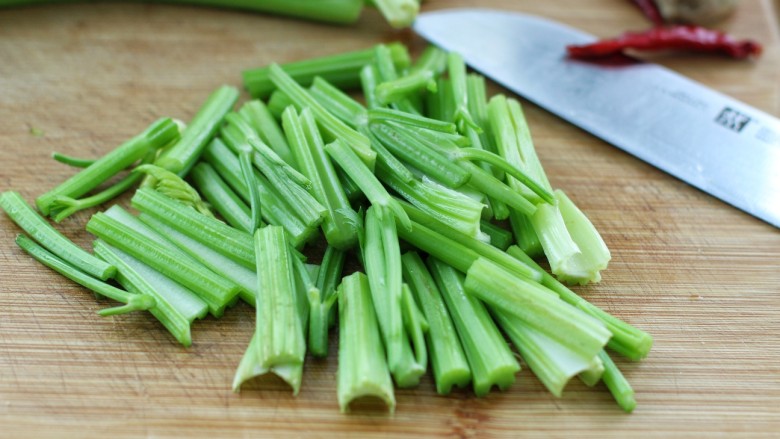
x: 418, y: 184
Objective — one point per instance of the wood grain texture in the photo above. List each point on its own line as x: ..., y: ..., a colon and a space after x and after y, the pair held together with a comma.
x: 702, y: 277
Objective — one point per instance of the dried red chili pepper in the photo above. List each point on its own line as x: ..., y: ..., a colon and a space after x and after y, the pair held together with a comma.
x: 651, y: 11
x: 690, y: 38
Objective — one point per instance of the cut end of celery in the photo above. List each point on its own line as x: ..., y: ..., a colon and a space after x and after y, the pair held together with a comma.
x: 459, y: 378
x: 502, y: 378
x: 366, y: 390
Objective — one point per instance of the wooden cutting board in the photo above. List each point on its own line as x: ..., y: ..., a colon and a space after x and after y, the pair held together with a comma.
x: 699, y: 275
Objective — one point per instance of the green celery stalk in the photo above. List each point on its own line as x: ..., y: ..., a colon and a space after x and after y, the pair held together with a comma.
x: 626, y: 340
x: 401, y: 88
x: 340, y: 225
x: 430, y: 162
x: 476, y: 246
x: 331, y: 11
x: 365, y: 180
x: 440, y: 105
x: 341, y: 70
x: 416, y: 327
x: 330, y: 124
x: 369, y: 81
x: 321, y: 305
x: 386, y: 71
x: 260, y: 118
x: 513, y: 141
x: 382, y: 261
x: 233, y: 243
x: 278, y: 345
x: 173, y: 307
x: 499, y: 238
x: 450, y: 367
x: 181, y: 157
x: 422, y: 75
x: 377, y: 115
x: 476, y: 92
x: 159, y: 134
x: 489, y: 357
x: 290, y: 184
x: 215, y: 261
x: 617, y: 384
x: 451, y: 207
x: 537, y: 307
x: 462, y: 116
x: 133, y: 302
x: 36, y: 226
x: 338, y: 103
x: 274, y: 209
x: 329, y: 276
x: 278, y: 102
x: 574, y: 248
x: 479, y: 179
x: 477, y: 154
x: 215, y: 290
x: 63, y: 206
x: 221, y: 197
x: 363, y: 369
x: 386, y: 159
x: 525, y: 235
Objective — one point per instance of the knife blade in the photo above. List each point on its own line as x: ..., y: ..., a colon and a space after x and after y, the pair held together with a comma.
x: 711, y: 141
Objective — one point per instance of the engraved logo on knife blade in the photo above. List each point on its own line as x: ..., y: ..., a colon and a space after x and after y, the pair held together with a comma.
x: 732, y: 119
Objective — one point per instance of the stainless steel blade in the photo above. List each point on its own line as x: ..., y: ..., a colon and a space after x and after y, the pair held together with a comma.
x: 711, y: 141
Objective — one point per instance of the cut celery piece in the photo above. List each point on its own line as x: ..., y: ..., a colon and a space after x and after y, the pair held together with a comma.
x: 450, y: 367
x: 363, y: 369
x: 159, y: 134
x: 341, y: 70
x: 41, y: 231
x: 382, y: 260
x: 181, y: 157
x: 489, y: 357
x: 221, y: 197
x: 278, y: 345
x: 133, y: 302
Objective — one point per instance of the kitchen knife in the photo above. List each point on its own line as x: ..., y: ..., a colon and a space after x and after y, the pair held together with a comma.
x: 711, y: 141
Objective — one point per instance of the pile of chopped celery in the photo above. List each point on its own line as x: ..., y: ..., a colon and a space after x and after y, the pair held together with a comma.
x: 429, y: 193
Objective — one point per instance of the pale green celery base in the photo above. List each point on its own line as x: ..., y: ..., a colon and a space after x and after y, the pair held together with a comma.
x: 574, y: 248
x: 592, y: 375
x: 554, y: 364
x: 594, y: 254
x: 556, y: 241
x: 251, y: 366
